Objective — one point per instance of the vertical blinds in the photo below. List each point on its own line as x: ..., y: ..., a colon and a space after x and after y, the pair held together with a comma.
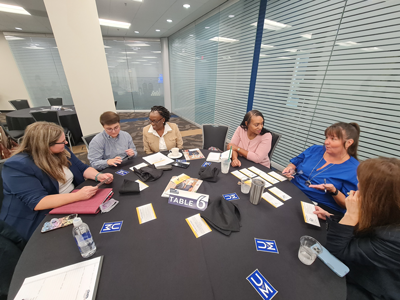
x: 323, y: 62
x: 211, y: 64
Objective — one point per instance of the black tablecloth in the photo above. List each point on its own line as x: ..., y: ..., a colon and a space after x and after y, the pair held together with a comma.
x: 20, y: 119
x: 162, y: 259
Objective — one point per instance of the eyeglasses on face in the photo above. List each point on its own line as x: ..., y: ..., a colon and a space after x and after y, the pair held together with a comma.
x: 60, y: 143
x: 112, y: 129
x: 155, y: 122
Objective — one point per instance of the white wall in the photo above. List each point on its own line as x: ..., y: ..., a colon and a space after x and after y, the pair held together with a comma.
x: 11, y: 83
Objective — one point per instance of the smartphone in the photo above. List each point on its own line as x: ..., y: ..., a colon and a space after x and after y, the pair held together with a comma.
x: 181, y: 165
x: 332, y: 262
x: 56, y: 223
x: 104, y: 181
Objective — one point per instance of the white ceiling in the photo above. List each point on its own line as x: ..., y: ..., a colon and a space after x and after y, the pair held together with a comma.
x: 145, y: 17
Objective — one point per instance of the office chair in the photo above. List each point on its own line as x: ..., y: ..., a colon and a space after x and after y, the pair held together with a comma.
x: 214, y: 136
x: 16, y: 135
x: 52, y: 116
x: 87, y: 139
x: 115, y: 104
x: 275, y: 139
x: 55, y: 101
x: 19, y: 104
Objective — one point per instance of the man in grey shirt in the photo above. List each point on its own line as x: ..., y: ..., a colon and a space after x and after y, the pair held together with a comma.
x: 109, y: 147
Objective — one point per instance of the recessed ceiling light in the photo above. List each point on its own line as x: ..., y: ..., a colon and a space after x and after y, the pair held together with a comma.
x: 169, y: 21
x: 186, y: 5
x: 136, y: 31
x: 231, y: 16
x: 13, y: 9
x: 12, y: 38
x: 117, y: 24
x: 157, y: 30
x: 18, y: 28
x: 34, y: 48
x: 138, y: 45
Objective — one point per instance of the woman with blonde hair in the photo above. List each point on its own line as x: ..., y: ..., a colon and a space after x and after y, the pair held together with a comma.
x: 367, y: 238
x: 40, y: 176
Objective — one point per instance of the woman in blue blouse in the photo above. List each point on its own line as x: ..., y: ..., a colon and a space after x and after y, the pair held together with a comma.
x: 327, y: 173
x: 40, y: 176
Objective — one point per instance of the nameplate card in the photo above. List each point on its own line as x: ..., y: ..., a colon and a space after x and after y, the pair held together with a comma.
x: 111, y: 227
x: 231, y: 196
x: 261, y: 285
x: 188, y: 199
x: 266, y: 245
x: 205, y: 164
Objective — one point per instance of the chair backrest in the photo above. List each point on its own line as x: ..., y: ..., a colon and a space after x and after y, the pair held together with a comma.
x: 48, y: 116
x: 214, y: 136
x: 1, y: 182
x: 275, y: 139
x: 88, y: 138
x: 19, y: 104
x: 55, y: 101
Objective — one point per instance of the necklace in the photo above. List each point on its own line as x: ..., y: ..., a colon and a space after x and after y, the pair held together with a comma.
x: 308, y: 181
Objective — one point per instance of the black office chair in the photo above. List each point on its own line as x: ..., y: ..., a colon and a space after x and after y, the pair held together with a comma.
x: 52, y: 116
x: 115, y: 104
x: 55, y: 101
x: 214, y: 136
x: 275, y: 139
x: 87, y: 139
x: 16, y: 135
x: 19, y: 104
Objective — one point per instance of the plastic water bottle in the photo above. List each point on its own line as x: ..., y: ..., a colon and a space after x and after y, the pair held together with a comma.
x: 83, y: 238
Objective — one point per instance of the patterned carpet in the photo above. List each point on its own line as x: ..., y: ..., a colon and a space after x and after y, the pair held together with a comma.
x: 133, y: 123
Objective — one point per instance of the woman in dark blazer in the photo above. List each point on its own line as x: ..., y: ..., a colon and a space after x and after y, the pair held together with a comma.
x: 40, y: 176
x: 367, y: 238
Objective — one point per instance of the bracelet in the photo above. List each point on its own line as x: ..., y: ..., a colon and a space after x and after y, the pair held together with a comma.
x: 335, y: 193
x: 95, y: 178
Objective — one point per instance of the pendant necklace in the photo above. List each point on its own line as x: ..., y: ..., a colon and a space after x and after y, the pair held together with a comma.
x: 308, y: 181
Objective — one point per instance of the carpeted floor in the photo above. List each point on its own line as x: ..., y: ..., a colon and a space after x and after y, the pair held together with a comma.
x: 133, y: 123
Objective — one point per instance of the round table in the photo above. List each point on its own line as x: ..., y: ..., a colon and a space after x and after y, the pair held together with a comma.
x: 162, y: 259
x: 20, y: 119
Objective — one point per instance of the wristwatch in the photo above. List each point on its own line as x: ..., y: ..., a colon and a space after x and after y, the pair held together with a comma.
x: 335, y: 193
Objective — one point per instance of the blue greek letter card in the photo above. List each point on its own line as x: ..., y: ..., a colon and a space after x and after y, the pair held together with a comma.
x: 261, y: 285
x: 231, y: 196
x: 266, y: 245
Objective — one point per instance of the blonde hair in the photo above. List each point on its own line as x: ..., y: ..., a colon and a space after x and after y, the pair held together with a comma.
x: 38, y: 139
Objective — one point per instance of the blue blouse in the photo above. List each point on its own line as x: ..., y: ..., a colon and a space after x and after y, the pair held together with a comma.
x: 343, y: 176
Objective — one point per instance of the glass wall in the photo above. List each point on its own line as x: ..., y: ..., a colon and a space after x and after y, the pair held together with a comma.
x: 135, y: 71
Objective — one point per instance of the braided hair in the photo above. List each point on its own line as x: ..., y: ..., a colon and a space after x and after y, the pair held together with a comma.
x: 162, y: 111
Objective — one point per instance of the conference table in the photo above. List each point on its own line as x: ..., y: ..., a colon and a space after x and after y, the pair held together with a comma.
x: 20, y: 119
x: 162, y: 259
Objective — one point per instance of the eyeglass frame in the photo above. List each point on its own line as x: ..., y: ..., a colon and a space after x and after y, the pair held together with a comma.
x: 60, y: 143
x: 154, y: 122
x: 113, y: 129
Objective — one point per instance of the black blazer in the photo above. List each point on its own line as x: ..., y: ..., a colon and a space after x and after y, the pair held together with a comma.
x: 373, y: 260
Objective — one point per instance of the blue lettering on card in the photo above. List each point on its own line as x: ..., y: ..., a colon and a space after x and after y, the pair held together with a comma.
x: 261, y: 285
x: 231, y: 196
x: 111, y: 227
x: 266, y: 245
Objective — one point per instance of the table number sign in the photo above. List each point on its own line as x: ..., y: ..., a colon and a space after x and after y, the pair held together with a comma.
x: 266, y: 245
x: 261, y: 285
x: 188, y: 199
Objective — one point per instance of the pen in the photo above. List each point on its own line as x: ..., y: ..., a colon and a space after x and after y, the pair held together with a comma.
x: 325, y: 185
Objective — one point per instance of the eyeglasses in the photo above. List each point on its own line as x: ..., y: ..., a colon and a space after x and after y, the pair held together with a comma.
x: 112, y: 129
x: 155, y: 122
x: 60, y: 143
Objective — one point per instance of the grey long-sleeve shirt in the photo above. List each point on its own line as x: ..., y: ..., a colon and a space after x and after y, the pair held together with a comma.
x: 103, y: 147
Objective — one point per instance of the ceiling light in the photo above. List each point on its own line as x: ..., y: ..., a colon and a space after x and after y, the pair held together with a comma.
x: 34, y: 48
x: 169, y: 21
x: 156, y: 51
x: 136, y: 31
x: 157, y: 30
x: 186, y: 6
x: 138, y: 0
x: 272, y: 25
x: 149, y: 57
x: 223, y: 39
x: 231, y: 16
x: 12, y: 38
x: 18, y: 28
x: 138, y: 45
x: 106, y: 46
x: 191, y: 35
x: 117, y: 24
x: 13, y: 9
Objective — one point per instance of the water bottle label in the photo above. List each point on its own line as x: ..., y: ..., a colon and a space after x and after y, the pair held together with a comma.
x: 86, y: 235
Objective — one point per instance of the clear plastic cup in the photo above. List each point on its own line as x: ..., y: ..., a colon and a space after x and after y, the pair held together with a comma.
x: 225, y: 163
x: 245, y: 185
x: 309, y: 249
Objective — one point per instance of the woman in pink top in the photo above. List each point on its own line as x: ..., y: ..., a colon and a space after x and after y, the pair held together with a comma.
x: 251, y: 140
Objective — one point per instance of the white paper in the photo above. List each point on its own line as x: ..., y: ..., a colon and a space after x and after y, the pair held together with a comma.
x: 239, y: 174
x: 77, y: 281
x: 225, y: 155
x: 139, y: 166
x: 279, y: 193
x: 146, y: 213
x: 277, y: 176
x: 308, y: 213
x: 198, y: 225
x: 214, y: 157
x: 142, y: 185
x: 255, y: 170
x: 271, y: 199
x: 248, y: 173
x: 268, y: 178
x: 266, y: 183
x: 158, y: 159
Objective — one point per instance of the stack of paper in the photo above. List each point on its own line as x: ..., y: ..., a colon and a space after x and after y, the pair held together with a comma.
x: 158, y: 159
